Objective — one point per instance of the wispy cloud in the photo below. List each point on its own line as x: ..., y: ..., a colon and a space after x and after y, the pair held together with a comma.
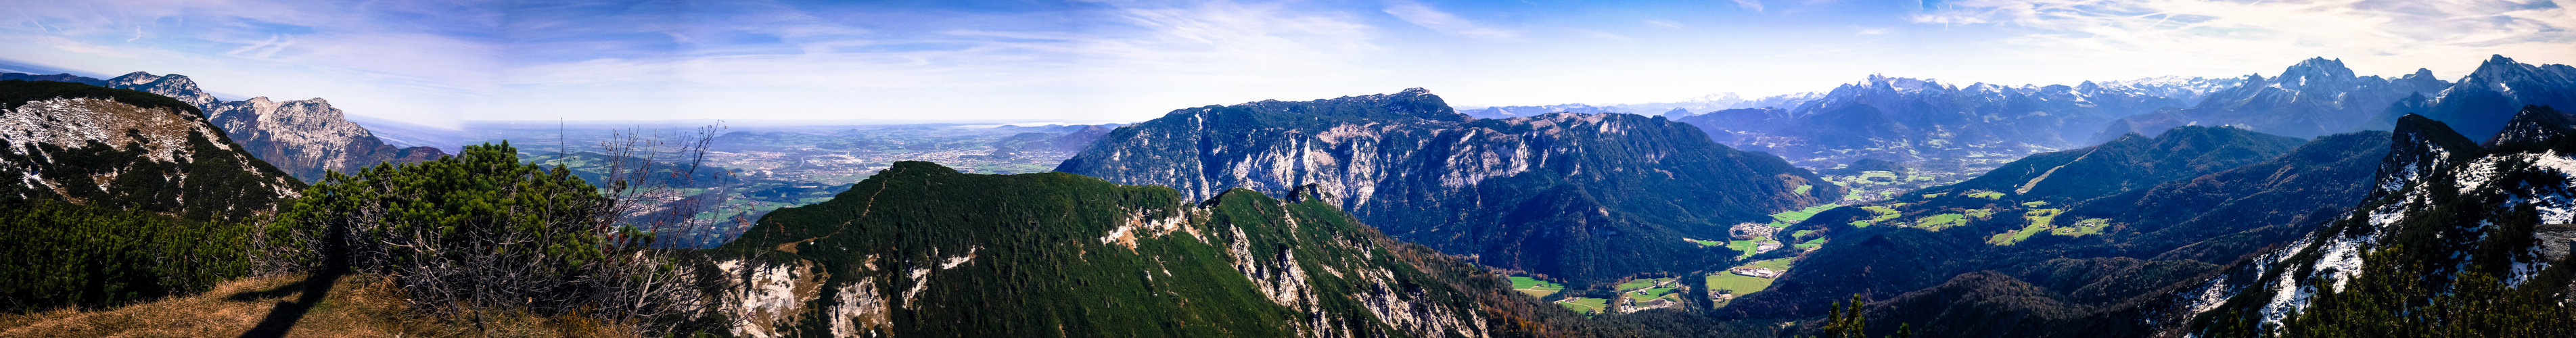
x: 398, y: 59
x: 1665, y: 24
x: 2399, y: 35
x: 1755, y: 5
x: 263, y: 49
x: 1420, y: 14
x: 963, y: 63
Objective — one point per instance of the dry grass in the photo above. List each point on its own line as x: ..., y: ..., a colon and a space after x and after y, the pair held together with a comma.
x: 355, y: 306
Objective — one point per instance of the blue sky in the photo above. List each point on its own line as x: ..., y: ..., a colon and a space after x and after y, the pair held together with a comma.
x: 1112, y: 61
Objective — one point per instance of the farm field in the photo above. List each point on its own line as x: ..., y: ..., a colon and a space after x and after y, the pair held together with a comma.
x: 1742, y: 284
x: 1811, y: 244
x: 1585, y: 305
x: 1786, y: 218
x: 1651, y: 294
x: 1941, y: 221
x: 1642, y: 283
x: 1535, y: 287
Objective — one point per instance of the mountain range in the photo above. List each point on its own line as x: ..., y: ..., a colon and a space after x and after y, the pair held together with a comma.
x: 128, y: 149
x: 306, y: 138
x: 2480, y: 103
x: 2253, y: 206
x: 2314, y: 97
x: 1913, y: 120
x: 1582, y: 197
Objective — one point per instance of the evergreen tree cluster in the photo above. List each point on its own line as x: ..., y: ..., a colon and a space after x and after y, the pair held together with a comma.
x: 480, y: 231
x: 1850, y: 320
x: 73, y: 255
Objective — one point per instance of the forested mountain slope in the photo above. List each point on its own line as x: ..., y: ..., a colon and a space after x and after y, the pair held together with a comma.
x: 1582, y: 197
x: 2131, y: 162
x: 2091, y: 258
x: 922, y: 250
x: 118, y: 196
x: 305, y: 138
x: 2455, y: 238
x: 128, y: 149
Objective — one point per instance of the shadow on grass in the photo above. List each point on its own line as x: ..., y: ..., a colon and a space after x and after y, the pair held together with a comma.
x: 283, y: 317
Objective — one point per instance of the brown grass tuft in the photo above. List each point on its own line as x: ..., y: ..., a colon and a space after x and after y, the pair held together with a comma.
x: 356, y: 306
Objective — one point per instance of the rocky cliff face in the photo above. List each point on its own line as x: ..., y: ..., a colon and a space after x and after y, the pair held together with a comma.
x: 2447, y: 221
x: 922, y: 250
x: 308, y: 138
x: 2314, y: 97
x: 125, y: 148
x: 1575, y: 196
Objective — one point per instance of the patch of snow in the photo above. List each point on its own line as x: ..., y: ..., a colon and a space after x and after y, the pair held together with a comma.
x: 2343, y: 257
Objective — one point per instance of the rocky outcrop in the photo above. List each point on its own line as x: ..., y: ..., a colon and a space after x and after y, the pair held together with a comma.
x: 174, y: 86
x: 308, y: 138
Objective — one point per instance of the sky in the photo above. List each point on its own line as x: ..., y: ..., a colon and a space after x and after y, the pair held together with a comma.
x: 441, y: 62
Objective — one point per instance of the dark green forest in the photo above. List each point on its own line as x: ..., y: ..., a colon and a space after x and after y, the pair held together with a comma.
x: 87, y: 256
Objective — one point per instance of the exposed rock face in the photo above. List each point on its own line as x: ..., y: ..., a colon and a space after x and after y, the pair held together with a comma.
x: 88, y: 145
x: 2440, y: 208
x: 308, y: 137
x: 1906, y: 119
x: 2314, y: 97
x: 174, y: 86
x: 922, y: 250
x: 1570, y: 195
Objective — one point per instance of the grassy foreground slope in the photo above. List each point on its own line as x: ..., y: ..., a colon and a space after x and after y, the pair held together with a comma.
x: 292, y: 305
